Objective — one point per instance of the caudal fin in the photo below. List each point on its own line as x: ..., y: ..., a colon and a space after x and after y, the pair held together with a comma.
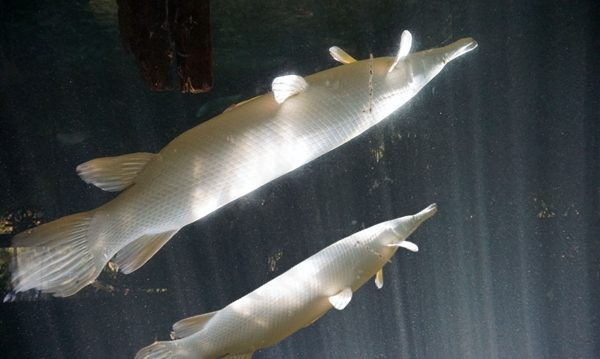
x: 55, y: 257
x: 158, y: 350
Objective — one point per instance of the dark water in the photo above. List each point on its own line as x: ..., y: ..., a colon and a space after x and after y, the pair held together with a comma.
x: 506, y: 140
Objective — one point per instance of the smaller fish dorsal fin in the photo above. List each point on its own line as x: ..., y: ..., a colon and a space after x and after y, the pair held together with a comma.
x: 404, y: 50
x: 114, y: 174
x: 341, y: 300
x: 286, y: 86
x: 340, y: 55
x: 188, y: 326
x: 137, y: 253
x: 379, y: 279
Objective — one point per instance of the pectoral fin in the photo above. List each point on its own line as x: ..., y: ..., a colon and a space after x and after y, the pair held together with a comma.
x: 286, y: 86
x: 191, y: 325
x: 341, y: 300
x: 138, y: 252
x: 114, y: 174
x: 340, y: 55
x: 379, y: 279
x: 406, y: 244
x: 405, y: 45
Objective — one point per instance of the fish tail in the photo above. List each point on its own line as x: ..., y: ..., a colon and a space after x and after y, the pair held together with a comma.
x: 56, y: 257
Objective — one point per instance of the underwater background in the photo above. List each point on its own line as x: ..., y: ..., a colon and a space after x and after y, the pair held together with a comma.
x: 506, y: 140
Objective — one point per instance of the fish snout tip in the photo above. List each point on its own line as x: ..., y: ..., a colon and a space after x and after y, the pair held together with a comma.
x: 459, y: 48
x: 427, y: 212
x: 404, y: 226
x: 470, y: 44
x: 432, y: 208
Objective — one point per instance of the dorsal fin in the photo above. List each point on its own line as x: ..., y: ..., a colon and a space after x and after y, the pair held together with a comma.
x: 191, y: 325
x: 340, y: 55
x: 114, y: 174
x: 286, y: 86
x: 138, y: 252
x: 404, y: 50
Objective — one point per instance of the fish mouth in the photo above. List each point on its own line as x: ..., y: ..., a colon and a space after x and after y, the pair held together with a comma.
x: 405, y: 226
x: 458, y: 48
x: 426, y: 213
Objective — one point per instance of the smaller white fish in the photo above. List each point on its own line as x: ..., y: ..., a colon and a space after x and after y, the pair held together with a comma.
x: 293, y: 300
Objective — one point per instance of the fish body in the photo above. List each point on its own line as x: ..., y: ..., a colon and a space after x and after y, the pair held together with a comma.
x: 293, y: 300
x: 217, y: 162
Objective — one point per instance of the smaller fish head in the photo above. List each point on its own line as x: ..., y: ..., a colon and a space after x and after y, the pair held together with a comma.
x: 383, y: 242
x: 403, y: 227
x: 385, y: 237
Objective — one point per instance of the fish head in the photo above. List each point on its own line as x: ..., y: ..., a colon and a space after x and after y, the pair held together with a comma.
x: 397, y: 80
x: 401, y: 228
x: 423, y: 66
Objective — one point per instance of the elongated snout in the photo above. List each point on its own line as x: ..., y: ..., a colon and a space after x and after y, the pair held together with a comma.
x: 405, y: 226
x: 425, y: 65
x: 426, y: 213
x: 457, y: 48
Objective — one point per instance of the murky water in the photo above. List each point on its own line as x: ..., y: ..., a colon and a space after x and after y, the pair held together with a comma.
x: 506, y: 140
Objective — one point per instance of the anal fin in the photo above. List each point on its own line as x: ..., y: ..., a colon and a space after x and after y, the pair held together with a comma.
x: 379, y: 279
x: 114, y: 174
x: 137, y: 253
x: 341, y: 300
x: 191, y: 325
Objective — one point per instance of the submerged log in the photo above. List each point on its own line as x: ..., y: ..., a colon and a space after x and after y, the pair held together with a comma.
x: 160, y: 32
x: 193, y: 46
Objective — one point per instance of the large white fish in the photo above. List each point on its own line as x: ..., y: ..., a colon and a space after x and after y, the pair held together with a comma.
x: 293, y: 300
x: 217, y: 162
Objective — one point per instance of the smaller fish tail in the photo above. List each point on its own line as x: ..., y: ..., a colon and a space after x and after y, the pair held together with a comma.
x: 159, y: 350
